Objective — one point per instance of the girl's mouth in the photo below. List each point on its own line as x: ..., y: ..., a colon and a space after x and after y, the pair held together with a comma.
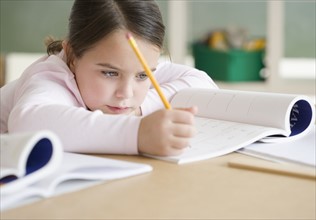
x: 119, y: 110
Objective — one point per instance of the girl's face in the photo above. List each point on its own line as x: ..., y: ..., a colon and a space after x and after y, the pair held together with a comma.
x: 109, y: 76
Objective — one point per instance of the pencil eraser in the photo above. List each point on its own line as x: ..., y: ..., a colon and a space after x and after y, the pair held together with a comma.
x: 128, y: 36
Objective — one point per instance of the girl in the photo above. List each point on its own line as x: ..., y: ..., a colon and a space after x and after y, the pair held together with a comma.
x: 91, y: 89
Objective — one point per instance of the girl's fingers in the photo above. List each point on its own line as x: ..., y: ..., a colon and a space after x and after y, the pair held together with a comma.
x: 170, y: 134
x: 183, y: 130
x: 193, y: 109
x: 182, y: 117
x: 179, y: 143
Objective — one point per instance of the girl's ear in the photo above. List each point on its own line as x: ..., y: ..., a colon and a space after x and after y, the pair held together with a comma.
x: 69, y: 55
x: 64, y: 44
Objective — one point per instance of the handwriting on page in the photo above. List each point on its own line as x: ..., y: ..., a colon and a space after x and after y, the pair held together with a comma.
x: 220, y: 136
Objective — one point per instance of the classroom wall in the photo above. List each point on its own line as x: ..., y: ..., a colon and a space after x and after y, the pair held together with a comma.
x: 299, y: 21
x: 26, y: 23
x: 211, y: 15
x: 300, y: 29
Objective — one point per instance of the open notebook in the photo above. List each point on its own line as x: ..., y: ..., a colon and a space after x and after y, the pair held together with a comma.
x: 33, y: 166
x: 229, y: 120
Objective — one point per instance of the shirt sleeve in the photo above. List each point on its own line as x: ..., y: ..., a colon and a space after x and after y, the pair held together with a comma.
x: 79, y: 129
x: 45, y: 102
x: 173, y: 78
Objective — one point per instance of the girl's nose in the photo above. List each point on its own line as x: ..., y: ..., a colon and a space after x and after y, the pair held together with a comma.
x: 125, y: 90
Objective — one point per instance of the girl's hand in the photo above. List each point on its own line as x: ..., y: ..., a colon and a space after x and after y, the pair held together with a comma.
x: 166, y: 132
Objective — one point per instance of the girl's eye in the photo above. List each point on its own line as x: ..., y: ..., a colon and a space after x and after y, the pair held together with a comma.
x: 110, y: 74
x: 142, y: 76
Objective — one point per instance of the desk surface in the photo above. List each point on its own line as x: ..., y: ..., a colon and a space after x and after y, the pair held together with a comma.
x: 201, y: 190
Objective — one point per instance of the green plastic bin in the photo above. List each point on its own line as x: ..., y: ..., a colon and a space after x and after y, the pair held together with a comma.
x: 233, y: 65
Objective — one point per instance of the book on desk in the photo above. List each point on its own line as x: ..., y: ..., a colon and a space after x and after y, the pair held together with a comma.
x: 229, y: 120
x: 34, y: 166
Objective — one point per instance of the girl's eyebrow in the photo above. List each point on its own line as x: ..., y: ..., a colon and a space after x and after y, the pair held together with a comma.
x: 108, y: 66
x: 152, y: 70
x: 116, y: 68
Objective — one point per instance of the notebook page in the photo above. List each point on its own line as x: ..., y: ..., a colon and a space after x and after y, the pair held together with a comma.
x: 300, y: 151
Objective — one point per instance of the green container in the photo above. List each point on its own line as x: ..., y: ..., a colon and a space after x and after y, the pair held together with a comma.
x: 233, y: 65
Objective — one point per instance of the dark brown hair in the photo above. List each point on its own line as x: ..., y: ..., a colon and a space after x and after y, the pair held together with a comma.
x: 92, y: 20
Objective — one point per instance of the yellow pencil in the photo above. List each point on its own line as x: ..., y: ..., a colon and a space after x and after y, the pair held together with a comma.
x: 133, y: 44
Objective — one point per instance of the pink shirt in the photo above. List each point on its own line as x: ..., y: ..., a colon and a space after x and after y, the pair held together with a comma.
x: 46, y: 96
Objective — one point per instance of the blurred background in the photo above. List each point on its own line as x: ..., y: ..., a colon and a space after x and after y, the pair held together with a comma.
x: 288, y: 28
